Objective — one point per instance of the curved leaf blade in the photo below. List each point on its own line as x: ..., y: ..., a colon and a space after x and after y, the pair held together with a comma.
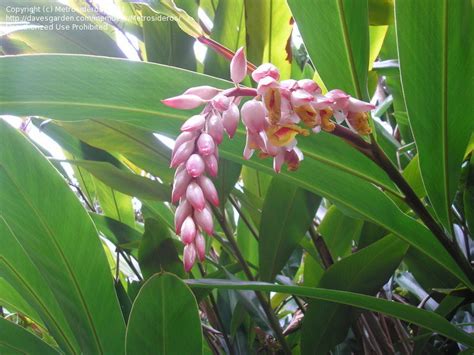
x: 435, y: 54
x: 164, y: 319
x: 60, y: 239
x: 425, y: 319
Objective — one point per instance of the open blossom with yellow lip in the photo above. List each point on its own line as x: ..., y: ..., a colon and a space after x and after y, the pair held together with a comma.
x: 271, y: 118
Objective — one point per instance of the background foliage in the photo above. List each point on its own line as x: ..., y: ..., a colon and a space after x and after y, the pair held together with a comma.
x: 330, y: 258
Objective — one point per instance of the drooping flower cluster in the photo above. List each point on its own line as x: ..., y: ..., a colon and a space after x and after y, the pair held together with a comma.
x: 271, y: 119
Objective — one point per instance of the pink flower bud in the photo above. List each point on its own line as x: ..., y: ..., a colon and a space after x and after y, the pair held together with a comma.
x: 205, y: 144
x: 266, y: 69
x: 321, y: 102
x: 195, y: 165
x: 289, y: 84
x: 200, y: 246
x: 180, y: 185
x: 215, y: 128
x: 182, y: 153
x: 184, y: 210
x: 204, y: 220
x: 195, y: 196
x: 189, y: 257
x: 253, y: 116
x: 300, y: 97
x: 266, y: 83
x: 355, y: 105
x: 209, y: 190
x: 194, y: 123
x: 205, y: 92
x: 309, y: 86
x: 188, y: 230
x: 230, y: 119
x: 211, y: 164
x: 184, y: 102
x: 183, y: 137
x: 238, y: 66
x: 339, y: 98
x: 221, y: 103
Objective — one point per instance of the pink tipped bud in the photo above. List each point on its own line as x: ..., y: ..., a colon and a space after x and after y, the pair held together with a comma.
x: 205, y: 92
x: 221, y: 103
x: 264, y: 70
x: 180, y: 185
x: 204, y: 220
x: 200, y: 246
x: 209, y: 190
x: 211, y: 164
x: 359, y: 106
x: 188, y: 230
x: 300, y: 97
x: 230, y: 120
x: 266, y: 83
x: 215, y: 128
x: 184, y: 102
x: 309, y: 86
x: 238, y: 66
x: 194, y: 123
x: 195, y: 165
x: 253, y: 116
x: 183, y: 137
x: 205, y: 144
x: 184, y: 210
x: 189, y: 257
x: 339, y: 99
x: 182, y: 153
x: 195, y: 196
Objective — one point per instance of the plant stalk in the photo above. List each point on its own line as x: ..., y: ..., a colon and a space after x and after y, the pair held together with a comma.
x: 275, y: 324
x: 373, y: 151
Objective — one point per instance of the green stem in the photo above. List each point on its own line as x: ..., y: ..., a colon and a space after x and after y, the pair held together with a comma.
x: 373, y: 151
x: 275, y: 324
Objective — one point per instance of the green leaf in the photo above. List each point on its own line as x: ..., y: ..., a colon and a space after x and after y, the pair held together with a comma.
x: 12, y: 300
x: 339, y: 231
x: 130, y: 91
x: 268, y: 30
x: 435, y: 64
x: 425, y: 319
x: 138, y: 145
x: 227, y: 177
x: 118, y: 233
x: 468, y: 196
x: 157, y: 251
x: 165, y: 42
x: 326, y: 324
x: 17, y: 340
x: 339, y: 48
x: 56, y: 257
x: 60, y: 39
x: 229, y: 30
x: 164, y: 319
x: 287, y: 213
x: 380, y: 12
x: 125, y: 182
x: 115, y: 204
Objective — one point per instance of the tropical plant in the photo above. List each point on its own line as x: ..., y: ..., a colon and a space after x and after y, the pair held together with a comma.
x: 361, y: 244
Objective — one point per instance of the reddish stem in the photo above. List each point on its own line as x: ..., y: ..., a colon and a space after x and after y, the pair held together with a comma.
x: 223, y: 51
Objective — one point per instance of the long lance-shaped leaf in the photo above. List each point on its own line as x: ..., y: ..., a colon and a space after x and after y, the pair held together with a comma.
x: 130, y: 91
x: 437, y: 70
x: 425, y: 319
x: 59, y: 237
x: 16, y: 340
x: 336, y: 35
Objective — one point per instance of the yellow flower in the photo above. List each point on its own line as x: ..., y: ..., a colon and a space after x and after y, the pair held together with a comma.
x: 282, y: 135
